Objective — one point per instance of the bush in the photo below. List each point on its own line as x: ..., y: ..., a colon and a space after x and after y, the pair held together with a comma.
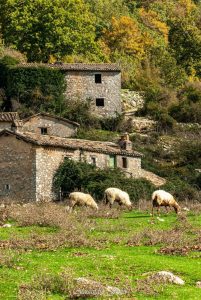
x: 112, y: 123
x: 80, y: 111
x: 73, y: 175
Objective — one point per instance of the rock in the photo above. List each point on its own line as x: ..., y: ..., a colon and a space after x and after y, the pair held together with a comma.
x: 7, y: 225
x: 164, y: 276
x: 186, y: 209
x: 198, y: 284
x: 86, y: 288
x: 159, y: 219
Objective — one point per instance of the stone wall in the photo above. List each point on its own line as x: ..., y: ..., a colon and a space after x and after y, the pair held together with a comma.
x: 5, y: 125
x: 48, y: 161
x: 81, y: 85
x: 133, y: 166
x: 131, y: 100
x: 54, y: 127
x: 140, y: 124
x: 17, y: 169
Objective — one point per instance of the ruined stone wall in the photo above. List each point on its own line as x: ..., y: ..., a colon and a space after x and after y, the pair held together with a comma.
x: 81, y: 85
x: 133, y: 166
x: 54, y: 127
x: 132, y: 100
x: 17, y: 169
x: 5, y: 125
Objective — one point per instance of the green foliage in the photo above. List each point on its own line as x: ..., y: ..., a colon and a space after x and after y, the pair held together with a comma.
x: 4, y: 63
x: 96, y: 134
x: 36, y: 88
x: 42, y: 29
x: 73, y: 175
x: 188, y: 108
x: 112, y: 123
x: 80, y: 111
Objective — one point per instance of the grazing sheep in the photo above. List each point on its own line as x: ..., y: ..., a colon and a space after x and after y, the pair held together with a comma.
x: 162, y: 198
x: 114, y: 194
x: 82, y: 199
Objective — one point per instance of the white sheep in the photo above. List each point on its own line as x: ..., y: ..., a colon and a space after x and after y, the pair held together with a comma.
x: 114, y: 194
x: 163, y: 198
x: 81, y: 199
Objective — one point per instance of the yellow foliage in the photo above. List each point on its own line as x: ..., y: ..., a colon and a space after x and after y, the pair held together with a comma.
x: 151, y: 20
x: 52, y: 59
x: 125, y: 36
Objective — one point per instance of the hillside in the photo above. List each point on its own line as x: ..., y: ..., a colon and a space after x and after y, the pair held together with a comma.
x: 158, y: 47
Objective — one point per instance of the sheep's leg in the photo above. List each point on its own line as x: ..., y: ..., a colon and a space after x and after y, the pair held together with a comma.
x: 152, y: 211
x: 158, y: 210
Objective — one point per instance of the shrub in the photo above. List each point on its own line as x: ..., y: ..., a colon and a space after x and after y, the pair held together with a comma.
x: 73, y: 175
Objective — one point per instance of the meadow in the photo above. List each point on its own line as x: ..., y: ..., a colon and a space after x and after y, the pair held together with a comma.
x: 46, y: 248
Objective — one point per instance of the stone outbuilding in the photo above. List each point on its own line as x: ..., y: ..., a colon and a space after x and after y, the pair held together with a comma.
x: 29, y: 157
x: 8, y: 120
x: 47, y: 124
x: 98, y: 83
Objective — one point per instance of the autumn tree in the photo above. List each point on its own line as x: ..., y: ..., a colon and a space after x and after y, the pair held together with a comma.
x: 125, y: 36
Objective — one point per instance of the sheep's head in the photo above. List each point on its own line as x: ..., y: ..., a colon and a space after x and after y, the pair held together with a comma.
x: 130, y: 207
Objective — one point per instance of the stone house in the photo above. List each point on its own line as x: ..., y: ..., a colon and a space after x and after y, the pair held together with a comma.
x: 99, y: 83
x: 30, y: 156
x: 8, y: 120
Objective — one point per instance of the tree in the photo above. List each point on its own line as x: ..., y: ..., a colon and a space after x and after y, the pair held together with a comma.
x: 41, y: 28
x: 125, y: 36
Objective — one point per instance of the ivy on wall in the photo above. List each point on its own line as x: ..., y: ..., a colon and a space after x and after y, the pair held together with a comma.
x: 35, y: 88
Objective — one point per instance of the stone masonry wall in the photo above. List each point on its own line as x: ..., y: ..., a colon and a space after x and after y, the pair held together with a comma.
x: 133, y: 166
x: 48, y: 161
x: 132, y: 100
x: 17, y: 169
x: 5, y: 125
x: 81, y: 85
x: 54, y: 126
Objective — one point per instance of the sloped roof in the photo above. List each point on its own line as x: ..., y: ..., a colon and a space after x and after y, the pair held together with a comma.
x: 52, y: 117
x: 71, y: 144
x: 9, y: 116
x: 76, y: 66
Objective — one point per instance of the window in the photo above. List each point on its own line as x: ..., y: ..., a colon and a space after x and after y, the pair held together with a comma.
x: 7, y: 187
x: 112, y: 161
x: 43, y: 130
x: 124, y: 162
x: 98, y: 78
x: 100, y: 102
x: 93, y: 160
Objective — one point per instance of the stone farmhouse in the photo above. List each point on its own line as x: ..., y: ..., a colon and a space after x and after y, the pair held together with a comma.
x: 32, y: 149
x: 100, y: 83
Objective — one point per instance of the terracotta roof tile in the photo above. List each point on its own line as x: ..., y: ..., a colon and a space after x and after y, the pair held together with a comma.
x: 90, y: 146
x: 8, y: 116
x: 51, y: 116
x: 76, y: 66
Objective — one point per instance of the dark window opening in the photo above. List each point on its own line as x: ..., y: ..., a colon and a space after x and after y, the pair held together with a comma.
x: 43, y: 130
x: 124, y: 162
x: 93, y: 161
x: 7, y: 187
x: 98, y: 78
x: 100, y: 102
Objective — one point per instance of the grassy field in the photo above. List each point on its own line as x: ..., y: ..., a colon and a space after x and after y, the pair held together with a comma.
x: 46, y: 248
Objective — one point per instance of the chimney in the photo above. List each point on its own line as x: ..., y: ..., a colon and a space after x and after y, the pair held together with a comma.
x: 125, y: 143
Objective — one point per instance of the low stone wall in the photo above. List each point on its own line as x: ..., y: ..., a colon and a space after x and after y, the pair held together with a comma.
x: 131, y: 100
x: 140, y: 125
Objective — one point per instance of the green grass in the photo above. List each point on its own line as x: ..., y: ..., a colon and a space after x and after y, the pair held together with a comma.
x: 116, y: 260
